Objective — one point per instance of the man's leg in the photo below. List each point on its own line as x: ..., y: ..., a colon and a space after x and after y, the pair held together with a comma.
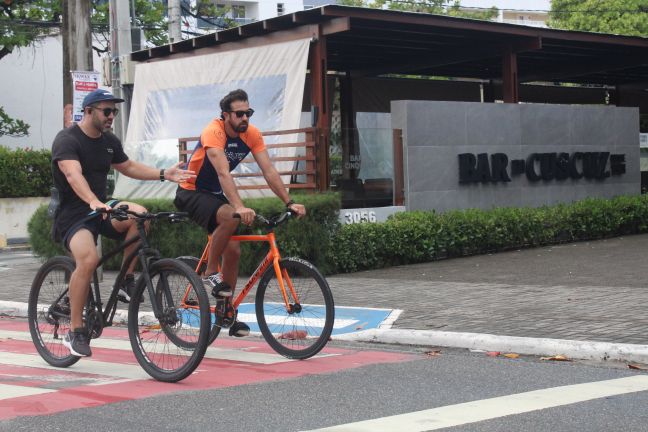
x: 225, y: 228
x: 231, y: 257
x: 84, y: 251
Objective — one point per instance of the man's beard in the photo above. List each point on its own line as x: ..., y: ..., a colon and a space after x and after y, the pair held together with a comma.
x: 242, y: 127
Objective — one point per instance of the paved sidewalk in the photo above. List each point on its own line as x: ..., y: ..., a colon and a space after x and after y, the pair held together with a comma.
x: 589, y: 291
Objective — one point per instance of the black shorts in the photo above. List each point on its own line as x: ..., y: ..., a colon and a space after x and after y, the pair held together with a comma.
x: 201, y: 206
x: 97, y: 225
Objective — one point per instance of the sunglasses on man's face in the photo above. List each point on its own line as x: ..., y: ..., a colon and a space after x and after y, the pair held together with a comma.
x: 108, y: 111
x: 241, y: 113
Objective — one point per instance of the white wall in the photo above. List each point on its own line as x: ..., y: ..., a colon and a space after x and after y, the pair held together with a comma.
x: 31, y: 89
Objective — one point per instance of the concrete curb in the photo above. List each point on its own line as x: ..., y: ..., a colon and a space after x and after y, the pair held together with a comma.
x: 583, y: 350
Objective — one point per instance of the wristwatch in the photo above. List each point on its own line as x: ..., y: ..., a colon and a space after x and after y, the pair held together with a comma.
x: 162, y: 175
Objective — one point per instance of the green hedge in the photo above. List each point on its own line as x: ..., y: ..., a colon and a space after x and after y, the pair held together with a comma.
x: 308, y: 238
x: 25, y: 173
x: 422, y: 236
x: 406, y: 238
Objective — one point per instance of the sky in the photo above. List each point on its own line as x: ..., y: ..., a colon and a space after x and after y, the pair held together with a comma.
x: 509, y: 4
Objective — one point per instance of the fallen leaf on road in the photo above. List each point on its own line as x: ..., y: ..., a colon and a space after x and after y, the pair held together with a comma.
x: 434, y: 353
x: 153, y: 327
x: 632, y: 366
x: 493, y: 353
x: 558, y: 357
x: 512, y: 355
x: 294, y: 335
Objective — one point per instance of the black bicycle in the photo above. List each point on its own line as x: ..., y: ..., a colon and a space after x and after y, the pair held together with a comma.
x: 175, y: 311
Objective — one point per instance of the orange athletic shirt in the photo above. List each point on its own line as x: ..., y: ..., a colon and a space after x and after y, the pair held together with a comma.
x: 236, y: 149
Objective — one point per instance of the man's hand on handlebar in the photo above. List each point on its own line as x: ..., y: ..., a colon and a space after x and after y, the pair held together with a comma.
x: 247, y: 214
x: 97, y: 205
x: 298, y: 209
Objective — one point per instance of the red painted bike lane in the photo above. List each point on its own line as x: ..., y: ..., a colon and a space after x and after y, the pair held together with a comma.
x: 29, y: 386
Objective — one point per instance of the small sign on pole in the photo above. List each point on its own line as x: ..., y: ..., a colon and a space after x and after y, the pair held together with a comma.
x: 82, y: 84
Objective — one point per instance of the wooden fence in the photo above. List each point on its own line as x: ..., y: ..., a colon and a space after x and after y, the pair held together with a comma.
x: 305, y: 169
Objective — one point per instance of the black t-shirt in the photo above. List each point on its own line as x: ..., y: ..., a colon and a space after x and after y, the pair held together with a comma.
x: 95, y: 155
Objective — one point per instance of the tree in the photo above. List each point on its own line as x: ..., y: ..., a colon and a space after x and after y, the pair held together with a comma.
x: 627, y: 17
x: 12, y: 127
x: 440, y: 7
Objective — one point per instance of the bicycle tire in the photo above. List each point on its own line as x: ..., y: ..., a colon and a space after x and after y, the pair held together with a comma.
x: 192, y: 262
x: 301, y: 334
x: 48, y: 330
x: 161, y: 346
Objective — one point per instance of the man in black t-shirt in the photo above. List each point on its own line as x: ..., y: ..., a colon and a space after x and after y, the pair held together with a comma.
x: 82, y: 155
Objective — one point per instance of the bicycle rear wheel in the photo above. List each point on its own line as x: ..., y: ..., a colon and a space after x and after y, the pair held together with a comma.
x: 302, y: 332
x: 170, y: 347
x: 48, y: 311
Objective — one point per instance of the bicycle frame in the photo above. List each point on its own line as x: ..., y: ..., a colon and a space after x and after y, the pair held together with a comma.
x: 145, y: 254
x: 272, y: 258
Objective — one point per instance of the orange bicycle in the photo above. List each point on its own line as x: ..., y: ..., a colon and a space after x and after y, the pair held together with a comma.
x: 293, y: 303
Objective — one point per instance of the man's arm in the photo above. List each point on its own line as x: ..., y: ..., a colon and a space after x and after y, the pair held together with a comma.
x: 221, y: 165
x: 274, y: 181
x: 74, y: 176
x: 139, y: 171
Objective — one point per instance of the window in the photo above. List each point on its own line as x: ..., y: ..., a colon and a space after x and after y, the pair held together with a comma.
x: 280, y: 9
x: 238, y: 11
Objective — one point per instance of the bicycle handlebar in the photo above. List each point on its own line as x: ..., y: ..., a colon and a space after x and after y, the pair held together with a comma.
x: 122, y: 213
x: 273, y: 222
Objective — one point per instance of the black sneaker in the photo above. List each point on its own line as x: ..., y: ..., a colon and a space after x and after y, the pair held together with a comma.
x: 220, y: 288
x: 239, y: 329
x: 127, y: 289
x: 77, y: 342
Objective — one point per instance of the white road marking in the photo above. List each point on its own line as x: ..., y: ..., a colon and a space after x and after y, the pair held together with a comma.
x: 11, y: 391
x: 124, y: 344
x: 297, y: 321
x: 486, y: 409
x: 86, y: 366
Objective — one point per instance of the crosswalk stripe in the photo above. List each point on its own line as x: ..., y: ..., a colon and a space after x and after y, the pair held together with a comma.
x: 12, y: 391
x: 486, y: 409
x: 85, y: 366
x: 212, y: 352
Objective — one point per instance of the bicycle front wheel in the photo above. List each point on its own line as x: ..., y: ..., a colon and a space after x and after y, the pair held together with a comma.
x: 171, y: 346
x: 302, y: 331
x: 48, y: 311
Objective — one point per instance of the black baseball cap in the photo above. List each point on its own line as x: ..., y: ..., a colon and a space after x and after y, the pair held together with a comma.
x: 99, y: 95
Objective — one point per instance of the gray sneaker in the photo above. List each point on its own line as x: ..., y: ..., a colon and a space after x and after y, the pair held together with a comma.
x: 78, y: 343
x: 220, y: 288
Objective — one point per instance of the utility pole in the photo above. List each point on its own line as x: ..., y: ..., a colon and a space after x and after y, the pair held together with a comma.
x: 77, y: 43
x: 175, y: 29
x: 120, y: 45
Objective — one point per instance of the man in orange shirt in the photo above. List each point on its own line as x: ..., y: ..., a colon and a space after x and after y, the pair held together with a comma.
x: 211, y: 198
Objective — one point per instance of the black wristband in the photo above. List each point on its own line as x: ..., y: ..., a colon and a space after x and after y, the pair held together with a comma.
x: 162, y: 175
x: 289, y: 203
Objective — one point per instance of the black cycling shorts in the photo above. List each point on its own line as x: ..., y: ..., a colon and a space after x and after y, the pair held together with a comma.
x: 97, y: 225
x: 201, y: 206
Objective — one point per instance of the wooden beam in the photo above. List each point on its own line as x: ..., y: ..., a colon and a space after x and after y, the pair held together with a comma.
x: 317, y: 64
x: 582, y: 68
x: 457, y: 55
x: 510, y: 77
x: 336, y: 25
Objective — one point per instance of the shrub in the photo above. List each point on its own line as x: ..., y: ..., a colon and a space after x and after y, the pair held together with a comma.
x: 421, y: 236
x: 308, y: 238
x: 25, y: 173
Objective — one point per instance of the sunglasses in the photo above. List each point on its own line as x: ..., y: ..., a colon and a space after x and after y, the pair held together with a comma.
x: 240, y: 114
x: 108, y: 111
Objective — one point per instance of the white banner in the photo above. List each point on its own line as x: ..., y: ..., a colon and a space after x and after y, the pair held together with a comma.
x: 177, y: 98
x: 82, y: 84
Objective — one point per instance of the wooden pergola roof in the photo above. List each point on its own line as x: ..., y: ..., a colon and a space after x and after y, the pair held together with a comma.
x: 371, y: 42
